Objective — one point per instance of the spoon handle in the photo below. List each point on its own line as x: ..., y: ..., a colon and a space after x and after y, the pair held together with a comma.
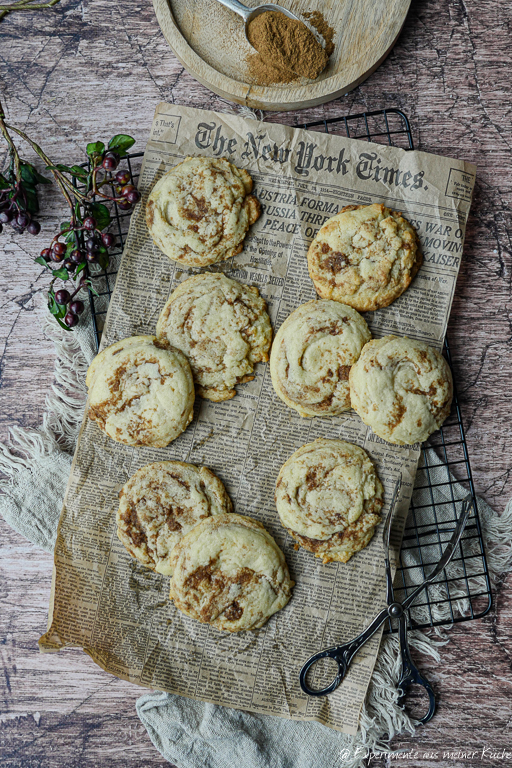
x: 237, y: 7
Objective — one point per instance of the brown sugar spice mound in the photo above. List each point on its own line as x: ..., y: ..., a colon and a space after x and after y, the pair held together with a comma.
x: 286, y: 45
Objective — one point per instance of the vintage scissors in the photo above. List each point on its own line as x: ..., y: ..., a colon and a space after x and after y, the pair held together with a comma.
x: 343, y: 654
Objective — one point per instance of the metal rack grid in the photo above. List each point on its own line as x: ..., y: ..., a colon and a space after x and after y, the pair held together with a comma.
x: 444, y: 475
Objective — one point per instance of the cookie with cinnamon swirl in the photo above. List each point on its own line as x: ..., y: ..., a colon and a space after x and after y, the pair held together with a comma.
x: 365, y: 256
x: 312, y: 354
x: 222, y: 327
x: 200, y: 211
x: 328, y: 496
x: 229, y: 572
x: 161, y: 503
x: 141, y: 391
x: 401, y: 388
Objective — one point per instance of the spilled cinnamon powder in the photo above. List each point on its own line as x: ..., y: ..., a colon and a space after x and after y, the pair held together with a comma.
x: 286, y: 49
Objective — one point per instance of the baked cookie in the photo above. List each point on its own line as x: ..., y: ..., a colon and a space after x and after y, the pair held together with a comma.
x: 312, y: 354
x: 141, y: 391
x: 200, y: 211
x: 230, y: 573
x: 161, y: 503
x: 328, y: 497
x: 401, y: 388
x: 223, y: 329
x: 365, y: 256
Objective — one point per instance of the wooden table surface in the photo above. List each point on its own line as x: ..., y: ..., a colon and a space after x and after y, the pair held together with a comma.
x: 86, y: 70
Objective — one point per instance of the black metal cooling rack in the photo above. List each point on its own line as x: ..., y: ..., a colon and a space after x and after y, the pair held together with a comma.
x: 444, y: 474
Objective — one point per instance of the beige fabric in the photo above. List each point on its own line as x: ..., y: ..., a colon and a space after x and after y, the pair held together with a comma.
x: 401, y: 388
x: 222, y: 327
x: 312, y: 354
x: 141, y: 391
x: 200, y: 211
x: 365, y: 256
x: 230, y: 573
x: 329, y: 498
x: 161, y: 503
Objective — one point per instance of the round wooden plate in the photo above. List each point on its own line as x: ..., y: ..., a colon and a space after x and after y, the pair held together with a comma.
x: 209, y: 41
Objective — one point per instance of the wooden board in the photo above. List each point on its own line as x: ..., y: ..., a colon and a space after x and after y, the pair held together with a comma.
x: 209, y: 40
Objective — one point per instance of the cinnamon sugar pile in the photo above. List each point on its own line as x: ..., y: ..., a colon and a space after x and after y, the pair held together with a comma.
x: 287, y: 49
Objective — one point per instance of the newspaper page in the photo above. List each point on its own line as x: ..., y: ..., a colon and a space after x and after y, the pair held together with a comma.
x: 108, y: 603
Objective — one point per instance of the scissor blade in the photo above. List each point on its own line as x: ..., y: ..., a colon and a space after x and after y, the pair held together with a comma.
x: 467, y: 506
x: 386, y: 533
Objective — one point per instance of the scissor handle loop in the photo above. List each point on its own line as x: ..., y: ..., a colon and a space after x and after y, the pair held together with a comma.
x: 330, y: 653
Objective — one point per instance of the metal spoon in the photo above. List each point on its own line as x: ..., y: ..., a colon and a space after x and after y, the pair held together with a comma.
x: 248, y: 14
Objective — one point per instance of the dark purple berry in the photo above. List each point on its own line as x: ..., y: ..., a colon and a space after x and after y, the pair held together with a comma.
x: 91, y: 257
x: 127, y: 189
x: 62, y: 296
x: 122, y: 177
x: 16, y: 227
x: 59, y: 249
x: 34, y: 228
x: 83, y: 282
x: 77, y: 307
x: 110, y: 161
x: 70, y: 319
x: 46, y: 253
x: 91, y: 244
x: 133, y: 196
x: 76, y: 257
x: 56, y: 256
x: 108, y: 240
x: 90, y: 222
x: 124, y: 205
x: 6, y: 217
x: 23, y: 219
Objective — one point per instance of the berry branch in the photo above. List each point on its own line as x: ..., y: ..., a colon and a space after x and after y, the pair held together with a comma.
x: 82, y: 240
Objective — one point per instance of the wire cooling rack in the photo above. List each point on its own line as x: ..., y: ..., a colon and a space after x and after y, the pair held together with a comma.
x: 444, y: 473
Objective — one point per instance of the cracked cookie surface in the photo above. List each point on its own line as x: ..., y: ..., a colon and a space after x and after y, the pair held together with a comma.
x: 328, y: 497
x: 161, y: 503
x: 222, y: 327
x: 312, y: 354
x: 229, y: 572
x: 401, y: 388
x: 200, y: 211
x: 141, y: 391
x: 366, y: 256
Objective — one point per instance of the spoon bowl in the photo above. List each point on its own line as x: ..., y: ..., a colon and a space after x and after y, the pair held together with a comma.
x: 249, y: 14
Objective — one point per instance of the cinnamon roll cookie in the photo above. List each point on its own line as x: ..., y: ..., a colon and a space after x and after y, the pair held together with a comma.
x: 328, y: 497
x: 141, y: 391
x: 200, y: 211
x: 229, y: 572
x: 401, y: 388
x: 222, y: 327
x: 365, y: 256
x: 161, y: 503
x: 312, y: 354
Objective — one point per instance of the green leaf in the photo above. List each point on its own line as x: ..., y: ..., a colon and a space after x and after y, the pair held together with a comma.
x: 101, y: 214
x: 31, y: 175
x: 95, y: 148
x: 121, y: 143
x: 61, y: 273
x: 89, y: 285
x: 4, y: 184
x: 80, y: 268
x: 59, y: 310
x: 74, y: 170
x: 64, y: 225
x: 41, y: 261
x: 102, y: 257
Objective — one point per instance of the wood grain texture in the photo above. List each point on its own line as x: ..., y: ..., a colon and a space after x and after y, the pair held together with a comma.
x: 209, y: 40
x: 87, y: 70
